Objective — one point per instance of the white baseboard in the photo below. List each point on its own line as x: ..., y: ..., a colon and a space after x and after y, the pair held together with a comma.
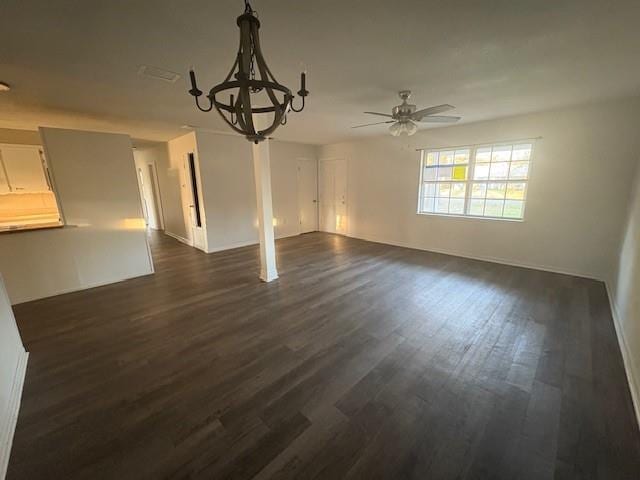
x: 8, y: 428
x: 231, y: 246
x: 632, y: 377
x: 88, y: 286
x: 247, y: 243
x: 178, y: 237
x: 502, y: 261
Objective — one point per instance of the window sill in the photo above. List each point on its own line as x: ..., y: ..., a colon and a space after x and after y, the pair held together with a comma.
x: 471, y: 217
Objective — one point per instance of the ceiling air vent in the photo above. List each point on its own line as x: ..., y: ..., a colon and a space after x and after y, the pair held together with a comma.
x: 158, y: 73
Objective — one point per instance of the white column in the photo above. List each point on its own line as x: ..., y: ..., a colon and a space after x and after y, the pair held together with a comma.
x: 262, y: 175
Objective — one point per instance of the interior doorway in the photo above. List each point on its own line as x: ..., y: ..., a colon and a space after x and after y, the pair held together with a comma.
x: 307, y: 195
x: 333, y: 196
x: 149, y: 195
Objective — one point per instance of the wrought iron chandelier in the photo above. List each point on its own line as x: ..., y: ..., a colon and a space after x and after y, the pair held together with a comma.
x: 249, y: 77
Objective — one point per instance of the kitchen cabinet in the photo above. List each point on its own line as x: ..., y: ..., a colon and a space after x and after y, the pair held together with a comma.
x: 22, y: 169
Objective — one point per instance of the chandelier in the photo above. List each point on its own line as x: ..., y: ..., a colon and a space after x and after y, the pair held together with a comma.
x: 251, y: 87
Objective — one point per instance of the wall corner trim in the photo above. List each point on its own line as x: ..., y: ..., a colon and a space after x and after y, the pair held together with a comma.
x: 7, y: 430
x: 632, y: 377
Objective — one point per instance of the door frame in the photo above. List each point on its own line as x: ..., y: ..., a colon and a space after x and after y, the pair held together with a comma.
x: 195, y: 199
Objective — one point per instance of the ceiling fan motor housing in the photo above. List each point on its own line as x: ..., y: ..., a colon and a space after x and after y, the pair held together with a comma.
x: 403, y: 111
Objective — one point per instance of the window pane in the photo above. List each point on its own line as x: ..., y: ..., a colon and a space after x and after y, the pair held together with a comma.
x: 458, y: 190
x: 462, y: 156
x: 481, y: 172
x: 515, y: 191
x: 476, y: 207
x: 521, y: 152
x: 456, y: 205
x: 429, y: 174
x: 513, y: 209
x: 444, y: 189
x: 519, y: 170
x: 501, y: 153
x: 442, y: 205
x: 446, y: 158
x: 483, y: 154
x: 428, y: 204
x: 496, y: 190
x: 493, y: 208
x: 429, y: 190
x: 499, y: 171
x: 479, y: 190
x: 444, y: 173
x: 432, y: 158
x: 459, y: 173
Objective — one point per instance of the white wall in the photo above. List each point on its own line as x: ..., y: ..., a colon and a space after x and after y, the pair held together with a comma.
x: 104, y: 240
x: 576, y: 202
x: 624, y: 291
x: 228, y: 188
x: 13, y: 360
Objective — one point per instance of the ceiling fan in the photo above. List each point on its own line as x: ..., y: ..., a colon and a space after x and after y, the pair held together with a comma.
x: 404, y: 116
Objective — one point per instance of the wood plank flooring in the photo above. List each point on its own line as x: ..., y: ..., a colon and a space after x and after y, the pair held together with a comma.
x: 362, y: 361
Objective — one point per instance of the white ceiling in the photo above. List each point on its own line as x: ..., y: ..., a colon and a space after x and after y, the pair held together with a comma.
x: 74, y: 63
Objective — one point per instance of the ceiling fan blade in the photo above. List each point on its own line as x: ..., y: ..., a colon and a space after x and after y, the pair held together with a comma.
x: 376, y: 123
x: 381, y: 114
x: 431, y: 111
x: 440, y: 119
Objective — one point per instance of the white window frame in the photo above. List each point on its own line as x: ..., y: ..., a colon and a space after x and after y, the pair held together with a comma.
x: 469, y: 181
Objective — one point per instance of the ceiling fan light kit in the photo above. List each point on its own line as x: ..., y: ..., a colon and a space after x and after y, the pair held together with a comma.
x: 403, y: 128
x: 249, y: 77
x: 404, y: 116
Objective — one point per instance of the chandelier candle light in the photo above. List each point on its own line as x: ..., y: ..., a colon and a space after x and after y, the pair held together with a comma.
x: 249, y: 77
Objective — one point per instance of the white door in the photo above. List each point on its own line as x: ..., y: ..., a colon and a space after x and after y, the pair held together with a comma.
x: 195, y: 207
x: 146, y: 182
x: 23, y: 166
x: 308, y: 195
x: 333, y: 196
x: 154, y: 195
x: 340, y: 190
x: 145, y: 208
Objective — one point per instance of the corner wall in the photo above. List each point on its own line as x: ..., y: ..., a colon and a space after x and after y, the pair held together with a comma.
x: 624, y: 294
x: 576, y: 202
x: 103, y: 241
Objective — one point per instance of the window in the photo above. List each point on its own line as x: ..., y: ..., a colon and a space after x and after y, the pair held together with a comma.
x: 477, y: 181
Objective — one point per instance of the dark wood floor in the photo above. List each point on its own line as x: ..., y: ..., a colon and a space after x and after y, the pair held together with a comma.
x: 362, y: 361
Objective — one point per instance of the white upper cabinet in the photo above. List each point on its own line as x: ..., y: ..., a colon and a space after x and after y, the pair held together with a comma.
x: 23, y: 169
